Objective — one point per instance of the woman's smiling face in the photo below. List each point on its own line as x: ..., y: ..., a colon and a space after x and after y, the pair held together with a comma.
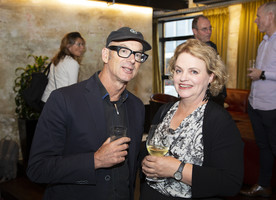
x: 190, y: 77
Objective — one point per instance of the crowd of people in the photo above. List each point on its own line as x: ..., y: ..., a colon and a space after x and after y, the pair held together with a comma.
x: 72, y: 151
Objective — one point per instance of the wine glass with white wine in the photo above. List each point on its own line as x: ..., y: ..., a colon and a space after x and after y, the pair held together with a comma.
x: 157, y: 145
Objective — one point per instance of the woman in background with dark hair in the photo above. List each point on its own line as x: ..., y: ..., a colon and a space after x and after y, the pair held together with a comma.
x: 65, y: 64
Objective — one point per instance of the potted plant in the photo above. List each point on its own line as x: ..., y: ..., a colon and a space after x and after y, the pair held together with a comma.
x: 27, y: 116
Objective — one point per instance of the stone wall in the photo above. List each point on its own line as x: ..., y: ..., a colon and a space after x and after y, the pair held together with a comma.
x: 37, y: 27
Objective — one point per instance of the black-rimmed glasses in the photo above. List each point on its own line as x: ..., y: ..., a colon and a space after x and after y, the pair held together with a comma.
x: 206, y: 29
x: 125, y: 52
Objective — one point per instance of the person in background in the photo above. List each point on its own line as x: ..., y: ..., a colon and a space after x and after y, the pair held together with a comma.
x: 72, y: 150
x: 262, y: 100
x: 205, y: 156
x: 202, y: 30
x: 65, y: 65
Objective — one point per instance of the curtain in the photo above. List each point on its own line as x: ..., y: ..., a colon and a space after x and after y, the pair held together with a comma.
x: 219, y: 19
x: 157, y: 86
x: 249, y: 40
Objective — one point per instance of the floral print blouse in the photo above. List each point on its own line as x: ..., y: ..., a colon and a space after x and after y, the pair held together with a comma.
x: 186, y: 144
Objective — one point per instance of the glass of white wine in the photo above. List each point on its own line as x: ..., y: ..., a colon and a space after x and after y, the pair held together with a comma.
x: 157, y: 145
x: 252, y: 64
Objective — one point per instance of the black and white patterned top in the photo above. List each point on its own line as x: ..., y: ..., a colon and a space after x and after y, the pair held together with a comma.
x: 186, y: 144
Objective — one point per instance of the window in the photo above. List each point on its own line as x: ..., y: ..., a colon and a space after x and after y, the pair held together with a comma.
x: 172, y: 33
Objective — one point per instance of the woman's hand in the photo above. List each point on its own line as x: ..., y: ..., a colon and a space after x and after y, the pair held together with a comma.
x: 160, y: 166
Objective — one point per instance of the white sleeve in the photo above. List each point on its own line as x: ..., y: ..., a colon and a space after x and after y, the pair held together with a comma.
x: 72, y: 70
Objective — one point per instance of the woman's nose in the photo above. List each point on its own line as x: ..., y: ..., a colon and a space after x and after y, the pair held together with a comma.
x: 183, y: 76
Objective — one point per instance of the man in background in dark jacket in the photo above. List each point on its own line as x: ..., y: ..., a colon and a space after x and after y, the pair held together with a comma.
x: 202, y: 30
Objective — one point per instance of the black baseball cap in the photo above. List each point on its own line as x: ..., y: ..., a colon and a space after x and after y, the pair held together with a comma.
x: 126, y: 33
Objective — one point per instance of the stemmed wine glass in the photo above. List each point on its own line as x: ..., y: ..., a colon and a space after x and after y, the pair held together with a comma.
x: 157, y: 145
x: 252, y: 63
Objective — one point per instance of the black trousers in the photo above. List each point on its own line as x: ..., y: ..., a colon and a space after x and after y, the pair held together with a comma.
x: 264, y: 127
x: 148, y: 193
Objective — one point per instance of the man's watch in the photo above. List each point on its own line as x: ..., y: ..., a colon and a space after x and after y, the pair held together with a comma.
x: 178, y: 174
x: 262, y: 76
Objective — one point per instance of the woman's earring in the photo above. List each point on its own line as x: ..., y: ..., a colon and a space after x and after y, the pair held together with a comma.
x: 207, y: 94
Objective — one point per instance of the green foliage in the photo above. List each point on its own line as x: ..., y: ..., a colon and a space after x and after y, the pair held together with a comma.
x: 22, y: 81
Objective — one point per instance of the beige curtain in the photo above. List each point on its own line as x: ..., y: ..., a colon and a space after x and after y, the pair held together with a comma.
x: 219, y: 19
x: 249, y: 40
x: 157, y: 86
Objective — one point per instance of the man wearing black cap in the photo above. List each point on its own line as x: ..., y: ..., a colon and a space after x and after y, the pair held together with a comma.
x: 72, y: 150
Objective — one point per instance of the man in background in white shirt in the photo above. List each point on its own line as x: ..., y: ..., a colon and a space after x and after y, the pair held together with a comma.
x: 262, y: 99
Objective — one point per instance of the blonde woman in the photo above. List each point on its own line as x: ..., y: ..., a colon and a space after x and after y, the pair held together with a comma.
x: 205, y: 157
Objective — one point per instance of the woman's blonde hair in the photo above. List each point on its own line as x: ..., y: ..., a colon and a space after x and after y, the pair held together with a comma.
x: 212, y: 60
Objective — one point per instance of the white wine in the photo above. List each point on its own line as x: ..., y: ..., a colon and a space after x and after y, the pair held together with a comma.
x: 157, y: 150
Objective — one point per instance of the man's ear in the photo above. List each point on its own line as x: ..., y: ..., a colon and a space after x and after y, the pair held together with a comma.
x: 105, y: 55
x: 271, y: 17
x: 194, y: 31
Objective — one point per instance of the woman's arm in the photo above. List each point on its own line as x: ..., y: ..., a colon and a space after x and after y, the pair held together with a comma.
x: 222, y: 170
